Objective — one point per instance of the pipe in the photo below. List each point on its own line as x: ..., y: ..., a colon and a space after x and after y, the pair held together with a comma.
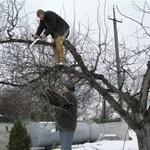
x: 44, y: 133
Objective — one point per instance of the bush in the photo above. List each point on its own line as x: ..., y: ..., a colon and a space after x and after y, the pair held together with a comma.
x: 19, y: 138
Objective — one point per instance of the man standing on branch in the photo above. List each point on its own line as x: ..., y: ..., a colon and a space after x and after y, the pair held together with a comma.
x: 56, y: 27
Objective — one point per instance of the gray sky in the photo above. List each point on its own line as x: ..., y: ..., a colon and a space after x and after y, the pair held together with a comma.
x: 85, y: 12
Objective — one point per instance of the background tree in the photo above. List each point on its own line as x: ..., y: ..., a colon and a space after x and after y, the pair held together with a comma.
x: 16, y: 103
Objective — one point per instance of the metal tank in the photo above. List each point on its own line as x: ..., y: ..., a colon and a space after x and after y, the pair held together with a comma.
x: 44, y: 133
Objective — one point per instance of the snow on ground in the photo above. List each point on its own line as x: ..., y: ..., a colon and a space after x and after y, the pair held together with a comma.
x: 110, y: 145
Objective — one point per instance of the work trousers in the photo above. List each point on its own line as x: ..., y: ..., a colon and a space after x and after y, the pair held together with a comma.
x: 58, y: 46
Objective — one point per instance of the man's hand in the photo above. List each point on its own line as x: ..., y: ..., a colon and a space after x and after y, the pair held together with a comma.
x: 43, y: 36
x: 64, y: 90
x: 35, y: 36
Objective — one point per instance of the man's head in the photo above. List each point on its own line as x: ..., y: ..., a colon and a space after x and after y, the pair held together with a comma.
x: 40, y: 14
x: 69, y: 87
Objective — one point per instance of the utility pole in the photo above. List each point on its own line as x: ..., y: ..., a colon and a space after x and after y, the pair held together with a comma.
x: 119, y: 78
x: 117, y: 49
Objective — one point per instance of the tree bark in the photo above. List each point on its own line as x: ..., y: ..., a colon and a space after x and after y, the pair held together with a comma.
x: 143, y: 137
x: 145, y: 89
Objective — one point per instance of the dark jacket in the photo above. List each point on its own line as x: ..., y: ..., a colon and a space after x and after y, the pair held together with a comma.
x: 65, y: 111
x: 53, y: 24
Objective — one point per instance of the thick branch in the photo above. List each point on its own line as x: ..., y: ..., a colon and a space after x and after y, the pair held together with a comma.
x: 112, y: 88
x: 99, y: 88
x: 145, y: 121
x: 145, y: 89
x: 26, y: 42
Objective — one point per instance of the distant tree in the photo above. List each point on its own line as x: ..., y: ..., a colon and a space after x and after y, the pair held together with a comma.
x: 15, y: 103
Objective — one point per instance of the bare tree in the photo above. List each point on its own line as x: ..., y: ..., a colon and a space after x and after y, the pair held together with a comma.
x: 91, y: 63
x: 15, y: 104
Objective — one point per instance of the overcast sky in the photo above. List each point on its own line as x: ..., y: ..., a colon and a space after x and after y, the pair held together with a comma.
x: 85, y: 12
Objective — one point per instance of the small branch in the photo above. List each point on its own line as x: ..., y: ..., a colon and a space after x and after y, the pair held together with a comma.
x: 11, y: 84
x: 139, y: 23
x: 97, y: 60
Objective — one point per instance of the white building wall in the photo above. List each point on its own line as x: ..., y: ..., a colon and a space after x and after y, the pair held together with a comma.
x: 120, y: 129
x: 4, y: 134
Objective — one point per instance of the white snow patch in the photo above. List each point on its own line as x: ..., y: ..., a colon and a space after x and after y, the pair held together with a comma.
x: 112, y: 145
x: 108, y: 135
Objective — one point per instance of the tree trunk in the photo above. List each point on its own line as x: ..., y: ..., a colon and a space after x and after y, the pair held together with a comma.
x: 143, y: 137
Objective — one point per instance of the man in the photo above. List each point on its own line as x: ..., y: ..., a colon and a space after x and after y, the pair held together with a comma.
x: 56, y: 27
x: 65, y: 113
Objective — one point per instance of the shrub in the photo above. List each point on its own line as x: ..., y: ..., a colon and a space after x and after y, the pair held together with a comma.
x: 19, y: 138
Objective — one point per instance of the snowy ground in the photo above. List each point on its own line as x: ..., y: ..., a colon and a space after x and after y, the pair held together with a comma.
x: 109, y: 145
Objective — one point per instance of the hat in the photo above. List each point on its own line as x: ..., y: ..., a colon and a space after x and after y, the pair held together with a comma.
x: 70, y: 87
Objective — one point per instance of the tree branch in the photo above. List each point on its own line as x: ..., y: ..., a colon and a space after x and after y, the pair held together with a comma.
x: 145, y: 121
x: 26, y: 42
x: 9, y: 83
x: 90, y: 78
x: 86, y: 74
x: 145, y: 89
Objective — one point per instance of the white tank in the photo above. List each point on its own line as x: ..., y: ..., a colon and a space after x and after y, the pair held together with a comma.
x: 44, y: 133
